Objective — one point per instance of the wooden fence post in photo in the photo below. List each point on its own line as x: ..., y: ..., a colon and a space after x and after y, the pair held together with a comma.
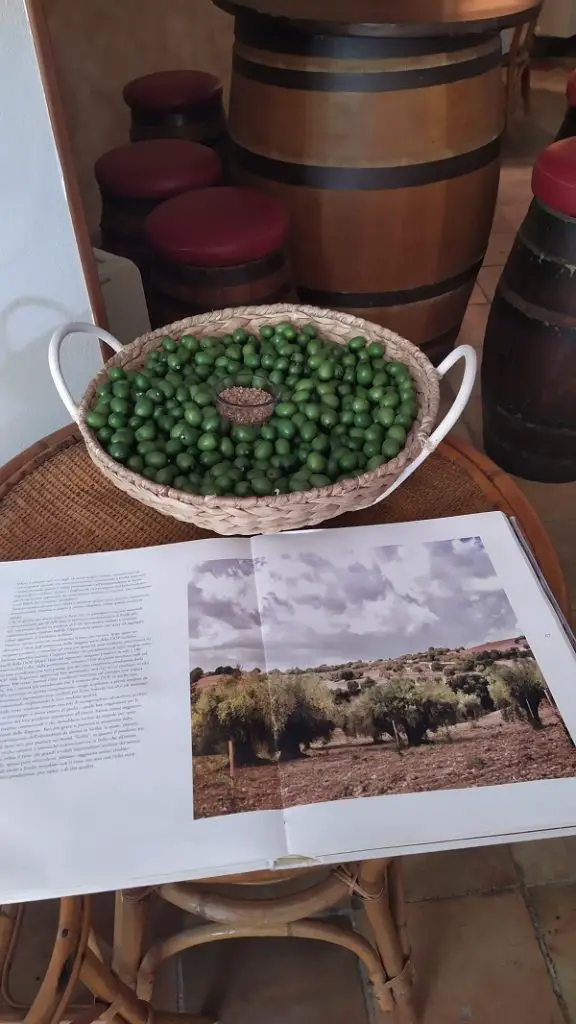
x: 232, y: 768
x: 397, y: 736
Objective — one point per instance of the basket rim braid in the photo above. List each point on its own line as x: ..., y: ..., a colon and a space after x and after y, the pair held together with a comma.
x: 270, y: 514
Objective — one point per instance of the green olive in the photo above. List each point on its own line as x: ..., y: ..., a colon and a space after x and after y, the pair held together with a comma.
x: 118, y: 451
x: 117, y: 420
x: 156, y: 458
x: 189, y: 342
x: 390, y: 448
x: 397, y: 433
x: 96, y: 420
x: 147, y: 432
x: 207, y: 442
x: 104, y: 435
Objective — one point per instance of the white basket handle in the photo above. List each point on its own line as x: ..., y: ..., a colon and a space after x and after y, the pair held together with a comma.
x: 468, y: 354
x: 54, y: 357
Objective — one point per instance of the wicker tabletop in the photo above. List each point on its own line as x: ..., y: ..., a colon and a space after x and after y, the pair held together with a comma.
x: 54, y: 501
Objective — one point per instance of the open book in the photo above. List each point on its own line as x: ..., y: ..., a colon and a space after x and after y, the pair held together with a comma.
x: 230, y: 705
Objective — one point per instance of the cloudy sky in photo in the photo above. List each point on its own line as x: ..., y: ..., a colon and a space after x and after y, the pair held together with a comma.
x: 343, y: 599
x: 223, y: 617
x: 324, y: 598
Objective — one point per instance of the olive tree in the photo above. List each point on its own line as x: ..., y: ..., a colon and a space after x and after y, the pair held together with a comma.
x: 238, y: 709
x: 369, y: 715
x: 403, y: 709
x: 303, y: 711
x: 473, y: 683
x: 469, y: 707
x: 264, y: 715
x: 518, y: 691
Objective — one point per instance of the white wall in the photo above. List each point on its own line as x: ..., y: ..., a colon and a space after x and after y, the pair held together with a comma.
x: 558, y: 18
x: 41, y: 279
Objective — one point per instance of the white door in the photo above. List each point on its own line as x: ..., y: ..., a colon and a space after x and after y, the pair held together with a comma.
x: 41, y: 280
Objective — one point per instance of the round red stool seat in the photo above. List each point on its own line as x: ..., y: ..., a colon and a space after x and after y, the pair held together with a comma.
x: 157, y: 169
x: 217, y: 247
x: 135, y: 178
x: 568, y: 126
x: 182, y: 104
x: 218, y: 227
x: 172, y: 90
x: 554, y: 177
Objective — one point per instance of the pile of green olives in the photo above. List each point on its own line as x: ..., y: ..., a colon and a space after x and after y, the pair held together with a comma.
x: 341, y: 410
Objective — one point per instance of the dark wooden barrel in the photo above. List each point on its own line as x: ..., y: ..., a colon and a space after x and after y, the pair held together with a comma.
x: 385, y: 151
x: 529, y: 359
x: 181, y: 104
x: 218, y: 248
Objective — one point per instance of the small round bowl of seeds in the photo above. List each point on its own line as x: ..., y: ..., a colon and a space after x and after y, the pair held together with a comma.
x: 246, y: 399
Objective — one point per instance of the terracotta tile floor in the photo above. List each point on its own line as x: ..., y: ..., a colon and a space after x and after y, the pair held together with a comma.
x: 493, y: 929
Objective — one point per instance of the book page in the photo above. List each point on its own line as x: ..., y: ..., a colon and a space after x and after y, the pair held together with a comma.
x: 423, y: 688
x: 74, y: 674
x: 93, y: 692
x: 102, y: 660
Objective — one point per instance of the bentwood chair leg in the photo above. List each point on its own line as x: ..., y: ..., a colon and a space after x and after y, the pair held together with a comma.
x: 9, y: 916
x: 76, y: 956
x: 130, y: 919
x: 389, y: 933
x: 525, y: 87
x: 64, y: 968
x: 122, y: 1002
x: 398, y: 903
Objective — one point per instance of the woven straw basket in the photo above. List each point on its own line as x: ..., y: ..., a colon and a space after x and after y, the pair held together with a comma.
x: 247, y: 516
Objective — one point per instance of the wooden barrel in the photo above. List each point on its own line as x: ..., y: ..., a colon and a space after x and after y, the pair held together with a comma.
x: 385, y: 151
x: 178, y: 291
x: 216, y: 248
x: 529, y: 358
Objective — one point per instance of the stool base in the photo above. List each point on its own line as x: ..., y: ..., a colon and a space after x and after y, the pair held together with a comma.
x: 176, y: 291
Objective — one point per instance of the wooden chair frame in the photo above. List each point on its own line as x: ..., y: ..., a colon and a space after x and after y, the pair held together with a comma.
x: 376, y: 884
x: 76, y: 957
x: 63, y: 969
x: 518, y: 66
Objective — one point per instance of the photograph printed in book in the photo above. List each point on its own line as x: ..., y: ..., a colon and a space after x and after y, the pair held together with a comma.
x: 323, y: 672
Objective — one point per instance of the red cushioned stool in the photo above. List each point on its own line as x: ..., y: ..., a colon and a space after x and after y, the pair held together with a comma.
x: 568, y: 126
x: 134, y: 179
x: 529, y: 357
x: 215, y: 248
x: 178, y: 105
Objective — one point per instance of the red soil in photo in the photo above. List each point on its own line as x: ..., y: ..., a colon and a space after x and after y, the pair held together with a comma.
x: 489, y: 753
